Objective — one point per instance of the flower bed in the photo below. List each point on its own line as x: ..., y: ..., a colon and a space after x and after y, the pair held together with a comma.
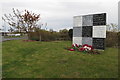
x: 84, y: 48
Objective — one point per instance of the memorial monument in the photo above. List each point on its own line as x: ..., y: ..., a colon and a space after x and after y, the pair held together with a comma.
x: 90, y: 29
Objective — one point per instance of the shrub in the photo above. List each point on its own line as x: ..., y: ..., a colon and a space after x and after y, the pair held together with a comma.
x: 111, y: 39
x: 118, y: 39
x: 70, y: 32
x: 42, y: 35
x: 34, y: 36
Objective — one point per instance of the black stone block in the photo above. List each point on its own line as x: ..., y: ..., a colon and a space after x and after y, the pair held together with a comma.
x: 99, y: 43
x: 87, y: 31
x: 99, y: 19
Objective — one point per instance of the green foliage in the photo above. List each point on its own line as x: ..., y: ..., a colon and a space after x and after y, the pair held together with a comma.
x: 70, y: 33
x: 51, y: 60
x: 63, y: 34
x: 63, y: 31
x: 34, y: 36
x: 43, y: 35
x: 118, y: 39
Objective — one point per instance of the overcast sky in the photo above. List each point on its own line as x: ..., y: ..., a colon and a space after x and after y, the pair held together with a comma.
x: 59, y: 13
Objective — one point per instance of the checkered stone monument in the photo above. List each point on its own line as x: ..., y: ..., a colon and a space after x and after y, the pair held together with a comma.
x: 90, y: 29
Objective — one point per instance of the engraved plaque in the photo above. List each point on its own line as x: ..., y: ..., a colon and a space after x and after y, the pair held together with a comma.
x: 99, y: 19
x: 98, y: 43
x: 90, y: 29
x: 77, y: 31
x: 77, y: 40
x: 87, y: 31
x: 87, y: 40
x: 99, y: 31
x: 87, y: 20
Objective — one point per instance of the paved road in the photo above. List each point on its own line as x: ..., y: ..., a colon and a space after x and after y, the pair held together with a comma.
x: 6, y: 39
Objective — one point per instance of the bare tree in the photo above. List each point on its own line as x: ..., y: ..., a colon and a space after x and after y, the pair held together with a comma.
x: 11, y: 29
x: 112, y: 27
x: 22, y: 20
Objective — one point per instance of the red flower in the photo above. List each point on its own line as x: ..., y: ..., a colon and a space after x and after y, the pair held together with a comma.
x: 85, y: 45
x: 72, y: 45
x: 90, y: 47
x: 76, y: 45
x: 81, y: 49
x: 71, y: 50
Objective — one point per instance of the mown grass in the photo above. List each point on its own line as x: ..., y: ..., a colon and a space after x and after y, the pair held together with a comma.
x: 51, y: 60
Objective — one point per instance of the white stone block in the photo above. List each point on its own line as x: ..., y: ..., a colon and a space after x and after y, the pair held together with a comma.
x: 77, y: 21
x: 99, y: 32
x: 77, y: 40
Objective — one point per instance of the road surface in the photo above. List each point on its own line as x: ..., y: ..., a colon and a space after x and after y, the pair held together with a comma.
x: 7, y: 39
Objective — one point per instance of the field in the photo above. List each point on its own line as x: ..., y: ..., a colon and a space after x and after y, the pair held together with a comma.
x: 50, y: 60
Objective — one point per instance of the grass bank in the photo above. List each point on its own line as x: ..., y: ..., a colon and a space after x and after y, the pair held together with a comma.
x: 50, y: 60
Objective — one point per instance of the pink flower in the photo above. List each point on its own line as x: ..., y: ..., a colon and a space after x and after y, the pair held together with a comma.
x: 71, y: 50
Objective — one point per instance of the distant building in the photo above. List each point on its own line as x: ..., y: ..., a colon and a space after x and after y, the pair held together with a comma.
x: 119, y: 15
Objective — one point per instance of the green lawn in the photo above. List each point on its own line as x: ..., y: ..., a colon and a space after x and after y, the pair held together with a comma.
x: 51, y: 60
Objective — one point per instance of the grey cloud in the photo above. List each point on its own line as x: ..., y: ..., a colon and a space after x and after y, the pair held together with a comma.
x: 60, y: 14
